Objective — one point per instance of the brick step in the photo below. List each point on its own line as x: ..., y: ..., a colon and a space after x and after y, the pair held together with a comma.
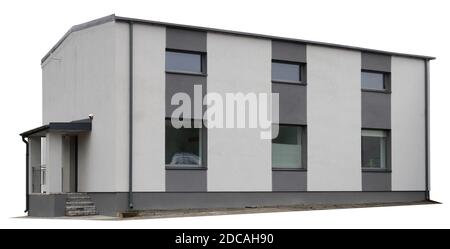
x: 80, y: 213
x: 79, y: 204
x: 81, y: 208
x: 80, y: 197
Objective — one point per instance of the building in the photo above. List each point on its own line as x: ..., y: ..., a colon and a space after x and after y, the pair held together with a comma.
x: 354, y: 122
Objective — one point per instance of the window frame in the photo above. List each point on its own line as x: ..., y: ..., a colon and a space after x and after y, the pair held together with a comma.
x: 387, y: 150
x: 302, y: 138
x: 202, y: 62
x: 386, y: 81
x: 302, y: 72
x: 202, y: 149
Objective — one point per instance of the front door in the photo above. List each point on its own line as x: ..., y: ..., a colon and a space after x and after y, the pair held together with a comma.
x: 69, y: 167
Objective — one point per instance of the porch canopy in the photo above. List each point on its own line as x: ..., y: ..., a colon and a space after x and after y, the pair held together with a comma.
x: 74, y: 127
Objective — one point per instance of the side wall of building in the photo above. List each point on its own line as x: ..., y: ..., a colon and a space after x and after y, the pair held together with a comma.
x: 79, y: 79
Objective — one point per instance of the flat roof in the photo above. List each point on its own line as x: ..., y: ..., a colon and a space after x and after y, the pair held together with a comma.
x: 73, y: 127
x: 114, y: 18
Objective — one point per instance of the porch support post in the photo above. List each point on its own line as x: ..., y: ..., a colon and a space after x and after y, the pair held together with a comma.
x: 54, y: 152
x: 35, y: 161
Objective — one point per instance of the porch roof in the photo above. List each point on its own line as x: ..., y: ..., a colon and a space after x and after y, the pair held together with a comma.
x: 73, y: 127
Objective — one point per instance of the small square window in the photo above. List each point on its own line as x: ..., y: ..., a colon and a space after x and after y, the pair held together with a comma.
x: 374, y: 149
x: 184, y: 62
x: 287, y: 148
x: 373, y: 80
x: 286, y: 72
x: 183, y: 146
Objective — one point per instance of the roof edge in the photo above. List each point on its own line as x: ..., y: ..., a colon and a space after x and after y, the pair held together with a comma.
x: 76, y: 28
x: 325, y: 44
x: 113, y: 17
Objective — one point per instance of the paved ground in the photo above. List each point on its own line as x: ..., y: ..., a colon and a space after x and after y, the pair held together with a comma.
x: 158, y: 214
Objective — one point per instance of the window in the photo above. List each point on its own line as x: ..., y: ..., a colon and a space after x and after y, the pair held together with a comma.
x: 183, y: 146
x: 287, y: 148
x: 184, y: 62
x: 373, y: 80
x: 374, y: 149
x: 286, y: 72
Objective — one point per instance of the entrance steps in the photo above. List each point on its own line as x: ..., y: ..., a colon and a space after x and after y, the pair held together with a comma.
x: 79, y: 204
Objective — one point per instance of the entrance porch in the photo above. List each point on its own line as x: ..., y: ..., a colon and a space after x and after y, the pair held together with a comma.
x: 52, y: 163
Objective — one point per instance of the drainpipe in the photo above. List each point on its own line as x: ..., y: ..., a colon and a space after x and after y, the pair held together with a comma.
x: 130, y: 120
x: 27, y: 173
x: 427, y: 129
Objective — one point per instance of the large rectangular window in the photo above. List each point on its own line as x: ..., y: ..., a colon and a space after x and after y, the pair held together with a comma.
x: 287, y: 148
x: 184, y: 62
x: 286, y: 72
x: 183, y: 146
x: 374, y: 149
x: 373, y: 80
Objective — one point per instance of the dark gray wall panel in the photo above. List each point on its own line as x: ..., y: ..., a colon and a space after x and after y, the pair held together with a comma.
x: 47, y: 205
x: 288, y: 51
x: 292, y: 103
x: 375, y: 62
x: 376, y: 181
x: 376, y: 110
x: 289, y: 180
x: 111, y: 203
x: 184, y: 39
x: 176, y: 83
x: 114, y: 202
x: 186, y: 180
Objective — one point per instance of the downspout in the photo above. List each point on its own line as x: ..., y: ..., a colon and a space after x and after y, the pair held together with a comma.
x: 27, y: 174
x: 427, y: 129
x: 130, y: 119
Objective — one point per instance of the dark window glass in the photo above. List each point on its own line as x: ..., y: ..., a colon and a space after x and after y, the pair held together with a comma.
x: 373, y: 149
x: 372, y: 81
x: 183, y: 62
x: 183, y: 146
x: 286, y: 148
x: 286, y: 72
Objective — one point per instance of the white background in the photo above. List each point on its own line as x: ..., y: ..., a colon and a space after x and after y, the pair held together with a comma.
x: 30, y: 28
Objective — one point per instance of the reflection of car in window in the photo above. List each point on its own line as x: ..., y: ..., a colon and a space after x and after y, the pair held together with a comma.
x: 185, y: 159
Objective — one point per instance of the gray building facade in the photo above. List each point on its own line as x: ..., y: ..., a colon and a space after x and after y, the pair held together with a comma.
x: 354, y: 122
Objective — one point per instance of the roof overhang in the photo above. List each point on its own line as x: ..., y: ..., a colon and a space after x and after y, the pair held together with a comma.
x: 74, y: 128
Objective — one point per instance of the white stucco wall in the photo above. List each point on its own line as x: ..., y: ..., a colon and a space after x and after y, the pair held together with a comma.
x: 238, y: 160
x: 334, y: 119
x: 79, y: 78
x: 408, y: 124
x: 149, y: 108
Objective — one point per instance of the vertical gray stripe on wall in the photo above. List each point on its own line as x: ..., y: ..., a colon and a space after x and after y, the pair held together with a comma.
x: 376, y: 113
x: 183, y: 180
x: 427, y: 128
